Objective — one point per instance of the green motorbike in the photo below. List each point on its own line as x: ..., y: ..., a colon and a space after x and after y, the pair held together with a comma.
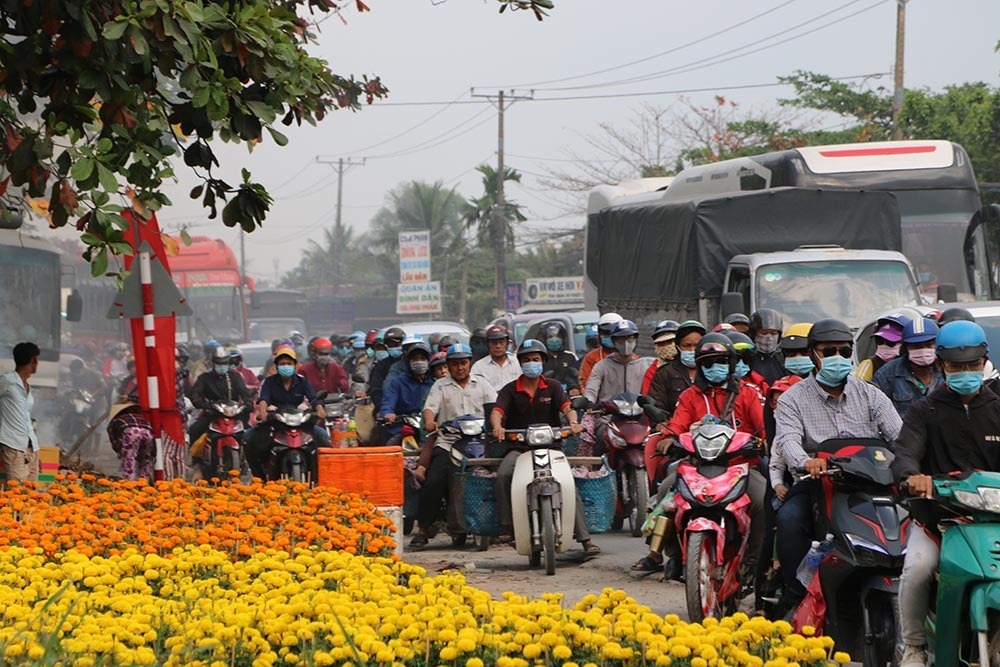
x: 964, y: 624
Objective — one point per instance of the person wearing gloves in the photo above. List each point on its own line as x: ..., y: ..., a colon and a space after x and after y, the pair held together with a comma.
x: 765, y: 329
x: 405, y: 394
x: 671, y: 380
x: 916, y: 372
x: 605, y: 349
x: 887, y: 337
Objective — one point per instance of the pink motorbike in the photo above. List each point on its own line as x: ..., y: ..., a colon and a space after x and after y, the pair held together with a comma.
x: 713, y: 517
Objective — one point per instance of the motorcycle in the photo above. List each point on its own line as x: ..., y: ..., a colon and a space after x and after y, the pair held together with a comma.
x: 225, y: 437
x: 964, y: 623
x: 292, y: 454
x: 858, y: 506
x: 77, y: 406
x: 624, y: 438
x: 468, y: 441
x: 411, y: 444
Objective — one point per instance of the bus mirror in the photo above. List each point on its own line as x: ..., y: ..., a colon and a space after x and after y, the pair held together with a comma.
x: 10, y: 218
x: 947, y: 293
x: 74, y: 306
x: 732, y: 302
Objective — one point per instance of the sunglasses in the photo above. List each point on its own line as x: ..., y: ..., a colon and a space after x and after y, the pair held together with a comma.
x: 843, y: 350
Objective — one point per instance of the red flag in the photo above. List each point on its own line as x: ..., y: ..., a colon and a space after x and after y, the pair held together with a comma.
x: 164, y: 368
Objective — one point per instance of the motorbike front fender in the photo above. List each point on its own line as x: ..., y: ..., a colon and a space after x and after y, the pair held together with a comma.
x: 983, y: 599
x: 705, y: 525
x: 634, y: 456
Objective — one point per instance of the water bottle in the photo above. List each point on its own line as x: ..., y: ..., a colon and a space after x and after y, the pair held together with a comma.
x: 817, y: 552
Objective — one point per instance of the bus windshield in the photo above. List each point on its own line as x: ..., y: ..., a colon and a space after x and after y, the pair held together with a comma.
x: 848, y: 291
x: 29, y: 300
x: 218, y: 312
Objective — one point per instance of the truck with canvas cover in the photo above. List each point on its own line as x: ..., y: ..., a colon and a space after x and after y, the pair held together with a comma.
x: 806, y: 253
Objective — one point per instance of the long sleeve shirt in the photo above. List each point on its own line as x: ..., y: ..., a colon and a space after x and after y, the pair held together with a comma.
x: 405, y: 394
x: 695, y: 403
x: 612, y: 376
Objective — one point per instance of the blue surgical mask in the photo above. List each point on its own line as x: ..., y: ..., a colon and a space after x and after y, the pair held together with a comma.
x: 801, y: 366
x: 344, y: 351
x: 687, y: 358
x: 554, y: 344
x: 381, y: 354
x: 716, y: 373
x: 833, y: 371
x: 606, y: 342
x: 532, y: 369
x: 286, y: 371
x: 741, y: 370
x: 369, y: 352
x: 395, y: 352
x: 221, y: 369
x: 965, y: 383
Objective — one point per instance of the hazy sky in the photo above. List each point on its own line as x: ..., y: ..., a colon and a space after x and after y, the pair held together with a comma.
x: 427, y: 52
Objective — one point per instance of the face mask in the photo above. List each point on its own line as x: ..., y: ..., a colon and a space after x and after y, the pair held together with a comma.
x: 531, y: 369
x: 344, y: 351
x: 221, y: 369
x: 369, y: 352
x: 767, y: 343
x: 381, y: 354
x: 554, y: 344
x: 322, y: 359
x: 716, y: 373
x: 667, y: 352
x: 606, y: 342
x: 801, y: 366
x: 833, y: 371
x: 741, y: 370
x: 965, y: 383
x: 687, y: 358
x: 922, y: 357
x: 886, y: 352
x: 395, y: 352
x: 625, y: 347
x: 419, y: 367
x: 286, y: 371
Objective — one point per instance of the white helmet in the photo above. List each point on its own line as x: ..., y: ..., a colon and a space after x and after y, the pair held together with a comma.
x: 608, y: 321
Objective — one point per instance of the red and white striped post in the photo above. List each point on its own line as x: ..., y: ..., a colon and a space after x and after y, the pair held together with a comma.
x: 152, y: 363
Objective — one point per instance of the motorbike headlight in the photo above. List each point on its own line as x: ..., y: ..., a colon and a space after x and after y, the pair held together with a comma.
x: 627, y: 408
x: 969, y: 499
x: 987, y: 499
x: 231, y: 410
x: 471, y: 426
x: 540, y: 435
x: 281, y: 417
x: 616, y: 439
x: 709, y: 447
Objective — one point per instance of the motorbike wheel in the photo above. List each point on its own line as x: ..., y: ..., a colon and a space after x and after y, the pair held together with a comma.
x: 638, y: 490
x: 548, y: 535
x: 296, y: 472
x: 883, y: 617
x: 700, y: 587
x: 230, y: 459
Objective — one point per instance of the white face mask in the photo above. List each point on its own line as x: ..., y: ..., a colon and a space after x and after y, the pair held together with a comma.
x: 625, y: 346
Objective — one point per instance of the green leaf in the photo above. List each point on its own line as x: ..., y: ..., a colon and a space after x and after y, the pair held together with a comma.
x: 122, y: 248
x: 278, y: 137
x: 138, y: 41
x: 107, y: 178
x: 197, y: 190
x: 90, y: 239
x: 114, y: 30
x: 100, y: 264
x: 262, y: 110
x: 82, y: 169
x: 185, y: 237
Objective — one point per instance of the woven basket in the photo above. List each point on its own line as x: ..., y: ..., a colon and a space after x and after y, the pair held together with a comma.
x: 598, y: 495
x: 479, y: 504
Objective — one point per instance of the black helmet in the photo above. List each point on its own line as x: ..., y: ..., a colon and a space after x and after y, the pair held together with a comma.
x: 715, y: 345
x: 497, y: 332
x: 954, y: 314
x: 419, y: 346
x: 434, y: 340
x: 765, y: 318
x: 479, y: 333
x: 553, y: 330
x: 446, y: 341
x: 665, y: 327
x: 393, y: 335
x: 742, y: 343
x: 737, y: 318
x: 830, y: 330
x: 532, y: 345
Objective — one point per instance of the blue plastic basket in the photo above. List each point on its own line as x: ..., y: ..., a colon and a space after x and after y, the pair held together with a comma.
x: 571, y: 445
x: 598, y: 495
x: 479, y: 504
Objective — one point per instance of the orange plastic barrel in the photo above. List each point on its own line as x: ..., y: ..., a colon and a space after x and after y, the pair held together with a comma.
x: 374, y: 472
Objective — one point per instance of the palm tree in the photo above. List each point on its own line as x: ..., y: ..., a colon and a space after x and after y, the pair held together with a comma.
x: 481, y: 214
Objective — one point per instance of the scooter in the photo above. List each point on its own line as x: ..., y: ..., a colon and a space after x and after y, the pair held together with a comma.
x: 292, y: 454
x: 625, y: 438
x: 964, y: 623
x: 412, y: 428
x: 225, y: 437
x: 857, y: 504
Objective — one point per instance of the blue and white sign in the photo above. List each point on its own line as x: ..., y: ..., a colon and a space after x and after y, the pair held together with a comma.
x: 415, y: 256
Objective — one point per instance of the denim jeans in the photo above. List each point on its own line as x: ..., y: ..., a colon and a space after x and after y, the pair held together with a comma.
x: 796, y: 531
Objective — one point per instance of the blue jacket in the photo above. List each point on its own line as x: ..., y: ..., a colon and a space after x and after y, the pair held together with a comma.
x: 896, y: 380
x: 398, y: 367
x: 404, y: 394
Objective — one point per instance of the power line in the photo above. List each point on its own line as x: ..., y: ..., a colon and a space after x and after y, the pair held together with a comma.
x: 410, y: 129
x: 425, y: 144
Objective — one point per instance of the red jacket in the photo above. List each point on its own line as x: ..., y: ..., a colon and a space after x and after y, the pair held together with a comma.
x: 695, y: 403
x: 332, y: 378
x: 249, y: 378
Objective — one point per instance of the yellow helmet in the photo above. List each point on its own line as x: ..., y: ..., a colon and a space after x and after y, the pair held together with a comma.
x: 796, y: 337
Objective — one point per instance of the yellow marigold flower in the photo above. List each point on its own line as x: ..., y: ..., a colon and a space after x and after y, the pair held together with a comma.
x: 808, y: 630
x: 841, y: 658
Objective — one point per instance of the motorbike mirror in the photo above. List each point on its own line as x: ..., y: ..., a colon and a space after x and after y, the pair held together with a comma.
x: 644, y: 400
x: 579, y: 403
x: 549, y: 373
x: 320, y: 395
x: 657, y: 415
x: 359, y: 378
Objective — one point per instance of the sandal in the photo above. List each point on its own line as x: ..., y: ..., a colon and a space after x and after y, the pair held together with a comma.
x: 505, y: 538
x: 646, y: 564
x: 419, y: 541
x: 591, y: 549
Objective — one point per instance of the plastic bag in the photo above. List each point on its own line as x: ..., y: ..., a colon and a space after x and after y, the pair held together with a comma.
x: 812, y: 610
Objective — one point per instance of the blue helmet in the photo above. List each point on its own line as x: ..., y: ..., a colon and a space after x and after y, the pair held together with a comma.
x: 459, y: 351
x: 962, y: 341
x: 920, y: 330
x: 624, y: 329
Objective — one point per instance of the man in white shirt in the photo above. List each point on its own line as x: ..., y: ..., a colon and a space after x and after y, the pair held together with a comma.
x: 500, y: 367
x: 18, y: 442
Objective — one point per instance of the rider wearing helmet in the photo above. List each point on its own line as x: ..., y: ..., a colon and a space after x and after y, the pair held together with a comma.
x: 672, y: 379
x: 738, y: 321
x: 606, y: 347
x: 795, y: 350
x: 744, y: 357
x: 592, y: 339
x: 916, y: 372
x: 827, y: 404
x: 439, y: 365
x: 765, y: 329
x: 325, y: 374
x: 500, y: 366
x: 954, y: 314
x: 887, y: 338
x: 356, y: 356
x: 205, y: 363
x: 458, y: 393
x: 405, y: 394
x: 392, y: 342
x: 665, y: 343
x: 477, y: 342
x: 526, y: 401
x: 249, y: 377
x: 402, y: 366
x: 561, y: 363
x: 222, y: 383
x: 955, y: 428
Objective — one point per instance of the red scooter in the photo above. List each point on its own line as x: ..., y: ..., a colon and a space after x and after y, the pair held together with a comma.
x: 292, y: 454
x: 713, y: 516
x: 225, y: 437
x: 624, y: 438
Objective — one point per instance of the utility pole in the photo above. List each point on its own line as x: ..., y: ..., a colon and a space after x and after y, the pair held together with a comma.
x: 897, y: 97
x: 499, y: 219
x: 338, y: 230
